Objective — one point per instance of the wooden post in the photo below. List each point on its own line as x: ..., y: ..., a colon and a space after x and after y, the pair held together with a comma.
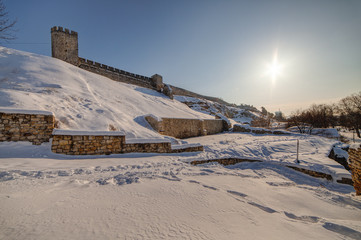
x: 298, y: 146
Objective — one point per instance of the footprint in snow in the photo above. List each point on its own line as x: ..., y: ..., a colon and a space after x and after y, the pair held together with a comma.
x: 210, y: 187
x: 239, y: 194
x: 311, y: 219
x: 348, y: 232
x: 193, y: 181
x: 264, y: 208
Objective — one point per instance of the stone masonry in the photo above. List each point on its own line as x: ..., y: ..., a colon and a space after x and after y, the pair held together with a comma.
x: 355, y: 166
x: 87, y: 144
x: 22, y: 125
x: 64, y: 45
x: 104, y: 143
x: 186, y: 128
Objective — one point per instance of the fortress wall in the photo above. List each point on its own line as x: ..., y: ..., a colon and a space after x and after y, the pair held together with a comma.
x: 116, y: 74
x: 355, y: 166
x: 25, y: 125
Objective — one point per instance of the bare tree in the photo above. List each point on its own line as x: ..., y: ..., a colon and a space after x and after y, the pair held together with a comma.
x: 350, y: 112
x: 6, y: 25
x: 299, y: 119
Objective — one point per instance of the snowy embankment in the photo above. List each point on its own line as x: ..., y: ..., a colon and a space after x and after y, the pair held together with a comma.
x: 82, y: 100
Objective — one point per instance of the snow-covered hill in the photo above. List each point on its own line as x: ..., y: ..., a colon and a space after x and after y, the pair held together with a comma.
x: 82, y: 100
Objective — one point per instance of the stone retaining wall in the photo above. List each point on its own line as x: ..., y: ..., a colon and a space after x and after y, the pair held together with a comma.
x: 87, y: 144
x: 354, y: 159
x: 214, y: 126
x: 162, y: 147
x: 104, y: 143
x: 186, y: 128
x: 26, y: 125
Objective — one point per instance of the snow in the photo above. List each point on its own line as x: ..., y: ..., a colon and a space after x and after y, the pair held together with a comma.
x: 324, y: 132
x: 355, y: 145
x: 185, y: 146
x: 313, y: 150
x: 86, y: 133
x: 24, y: 111
x: 157, y: 196
x: 235, y: 114
x: 142, y: 140
x: 148, y: 196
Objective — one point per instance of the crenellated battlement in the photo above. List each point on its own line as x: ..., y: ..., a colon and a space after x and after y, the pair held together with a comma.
x: 64, y: 44
x: 117, y: 74
x: 63, y: 30
x: 65, y: 47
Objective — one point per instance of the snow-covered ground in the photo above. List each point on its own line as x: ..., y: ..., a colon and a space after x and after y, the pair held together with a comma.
x: 350, y: 136
x: 148, y: 196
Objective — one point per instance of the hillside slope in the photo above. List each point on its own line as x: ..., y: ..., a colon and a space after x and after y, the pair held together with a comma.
x: 82, y: 100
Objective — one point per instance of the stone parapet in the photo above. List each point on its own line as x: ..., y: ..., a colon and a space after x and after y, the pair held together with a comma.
x: 354, y: 159
x: 26, y: 125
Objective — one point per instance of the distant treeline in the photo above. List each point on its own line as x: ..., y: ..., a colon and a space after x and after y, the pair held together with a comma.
x: 346, y: 113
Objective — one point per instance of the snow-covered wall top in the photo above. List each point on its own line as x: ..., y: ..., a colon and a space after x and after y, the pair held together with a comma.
x: 87, y: 133
x: 25, y: 111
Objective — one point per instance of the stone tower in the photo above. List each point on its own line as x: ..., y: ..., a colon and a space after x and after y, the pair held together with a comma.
x: 64, y: 45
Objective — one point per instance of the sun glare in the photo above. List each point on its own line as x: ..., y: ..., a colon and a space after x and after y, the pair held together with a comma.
x: 274, y: 69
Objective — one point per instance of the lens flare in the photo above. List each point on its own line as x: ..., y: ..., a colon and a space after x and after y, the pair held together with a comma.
x: 274, y: 69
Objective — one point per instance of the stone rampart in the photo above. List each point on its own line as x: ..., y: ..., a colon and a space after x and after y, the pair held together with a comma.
x: 155, y: 82
x: 186, y: 128
x: 25, y: 125
x: 354, y: 159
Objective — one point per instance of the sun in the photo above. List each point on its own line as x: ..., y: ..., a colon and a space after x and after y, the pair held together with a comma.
x: 275, y: 68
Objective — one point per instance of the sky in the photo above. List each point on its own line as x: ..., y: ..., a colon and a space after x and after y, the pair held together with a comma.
x: 219, y: 48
